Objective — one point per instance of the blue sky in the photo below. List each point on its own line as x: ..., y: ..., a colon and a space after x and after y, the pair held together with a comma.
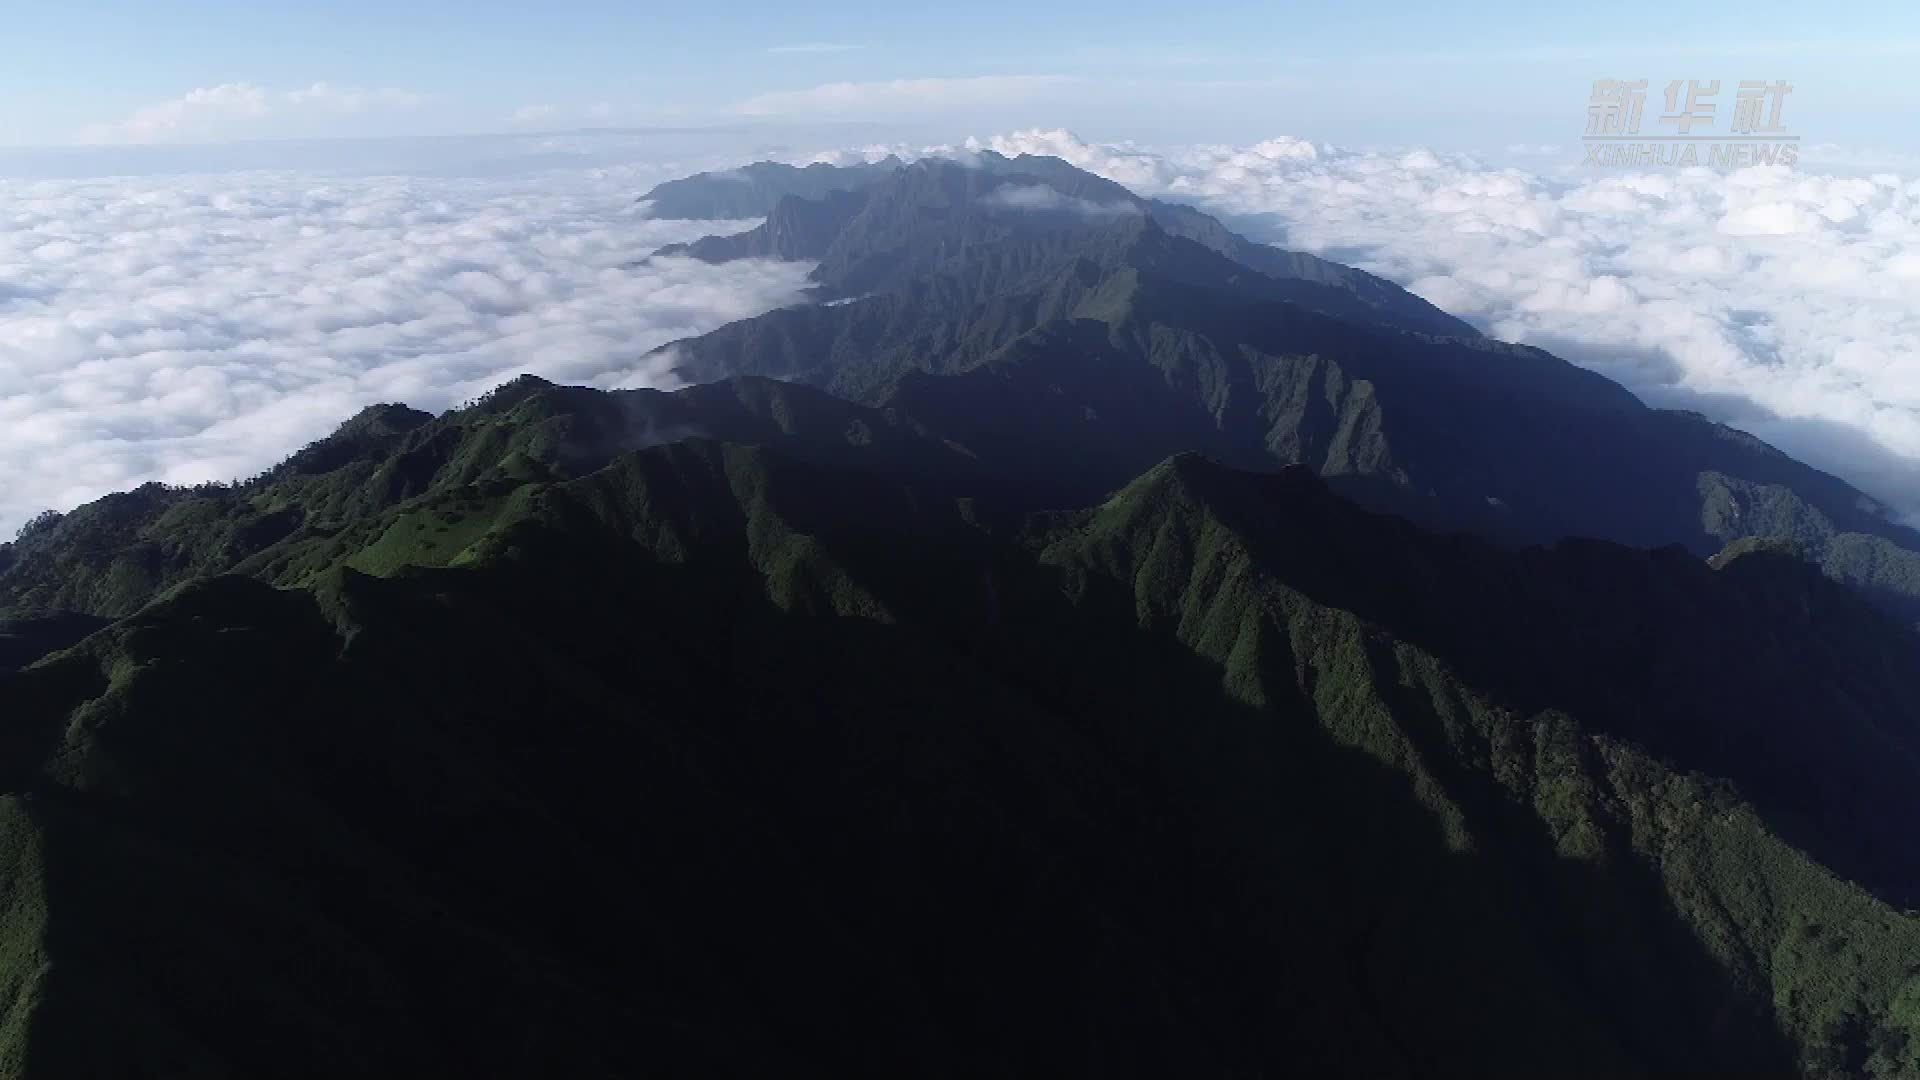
x: 1386, y: 72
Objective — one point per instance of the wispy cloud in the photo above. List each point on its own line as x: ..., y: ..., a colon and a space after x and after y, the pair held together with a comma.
x: 1609, y: 50
x: 814, y: 47
x: 237, y: 109
x: 540, y: 116
x: 186, y: 116
x: 532, y: 115
x: 1039, y: 197
x: 904, y: 95
x: 354, y: 99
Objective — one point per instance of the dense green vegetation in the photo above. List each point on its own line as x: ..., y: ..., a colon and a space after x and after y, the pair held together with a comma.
x: 713, y: 757
x: 1120, y: 339
x: 1020, y: 682
x: 1876, y: 563
x: 879, y: 224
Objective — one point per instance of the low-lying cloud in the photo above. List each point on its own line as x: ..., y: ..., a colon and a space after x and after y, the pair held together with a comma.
x: 1041, y: 198
x: 187, y: 329
x: 194, y: 327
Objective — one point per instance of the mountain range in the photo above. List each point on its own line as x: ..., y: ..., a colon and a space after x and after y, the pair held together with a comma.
x: 1130, y: 336
x: 1076, y: 640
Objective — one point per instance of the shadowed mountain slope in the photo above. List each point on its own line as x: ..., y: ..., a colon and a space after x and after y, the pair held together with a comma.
x: 1005, y: 670
x: 712, y: 758
x: 112, y: 556
x: 1107, y: 340
x: 886, y: 224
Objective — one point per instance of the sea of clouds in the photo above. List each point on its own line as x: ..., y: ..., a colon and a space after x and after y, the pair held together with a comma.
x: 183, y: 326
x: 189, y: 328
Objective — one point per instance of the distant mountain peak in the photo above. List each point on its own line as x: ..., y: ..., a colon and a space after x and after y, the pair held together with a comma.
x: 857, y: 228
x: 751, y: 191
x: 382, y: 420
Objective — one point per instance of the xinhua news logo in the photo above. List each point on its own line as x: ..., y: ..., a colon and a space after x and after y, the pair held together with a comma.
x: 1755, y: 135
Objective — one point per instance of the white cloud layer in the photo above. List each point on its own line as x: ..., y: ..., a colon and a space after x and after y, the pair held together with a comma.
x: 186, y: 329
x: 1785, y: 303
x: 532, y: 115
x: 190, y: 327
x: 1039, y: 197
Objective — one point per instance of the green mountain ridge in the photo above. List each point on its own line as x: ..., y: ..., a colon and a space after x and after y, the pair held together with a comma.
x: 716, y: 758
x: 888, y: 224
x: 113, y: 556
x: 1456, y: 433
x: 752, y: 191
x: 1076, y: 655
